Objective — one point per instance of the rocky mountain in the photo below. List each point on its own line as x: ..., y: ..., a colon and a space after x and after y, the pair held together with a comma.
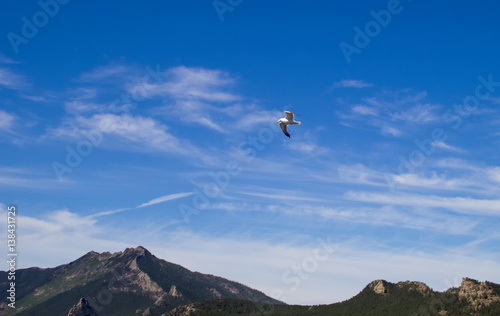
x: 379, y: 298
x: 83, y: 308
x: 132, y: 282
x: 135, y: 282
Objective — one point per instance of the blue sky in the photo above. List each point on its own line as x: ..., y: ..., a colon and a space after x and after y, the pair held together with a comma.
x: 155, y: 124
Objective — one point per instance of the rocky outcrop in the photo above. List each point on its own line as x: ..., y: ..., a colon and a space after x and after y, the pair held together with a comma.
x: 82, y: 308
x: 379, y: 286
x: 476, y: 293
x: 419, y: 287
x: 139, y: 282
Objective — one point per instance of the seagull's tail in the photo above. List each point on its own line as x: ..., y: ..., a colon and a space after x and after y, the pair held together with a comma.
x: 297, y: 122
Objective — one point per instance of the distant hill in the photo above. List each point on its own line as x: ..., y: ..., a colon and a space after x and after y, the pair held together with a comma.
x: 132, y: 282
x: 379, y: 298
x: 135, y: 282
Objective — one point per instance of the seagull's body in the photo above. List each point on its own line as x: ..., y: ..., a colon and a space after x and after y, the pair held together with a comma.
x: 284, y: 122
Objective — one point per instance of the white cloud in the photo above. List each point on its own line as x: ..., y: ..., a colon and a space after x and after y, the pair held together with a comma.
x: 494, y: 174
x: 445, y: 146
x: 6, y: 121
x: 455, y: 204
x: 165, y: 198
x: 393, y: 113
x: 188, y: 83
x: 389, y: 130
x: 416, y: 218
x: 104, y: 72
x: 61, y: 236
x: 283, y: 195
x: 78, y: 107
x: 422, y: 113
x: 435, y: 181
x: 30, y: 179
x: 11, y: 80
x: 136, y: 133
x: 194, y: 95
x: 364, y: 110
x: 350, y: 83
x: 455, y: 163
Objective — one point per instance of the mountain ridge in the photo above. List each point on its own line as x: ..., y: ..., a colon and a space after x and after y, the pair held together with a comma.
x: 378, y: 298
x: 129, y: 282
x: 135, y: 282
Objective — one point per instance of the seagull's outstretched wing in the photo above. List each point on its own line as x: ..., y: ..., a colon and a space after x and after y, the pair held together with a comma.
x: 289, y: 115
x: 283, y: 128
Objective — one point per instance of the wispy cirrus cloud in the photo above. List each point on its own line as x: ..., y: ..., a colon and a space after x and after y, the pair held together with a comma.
x: 392, y: 113
x: 166, y: 198
x: 11, y: 80
x: 161, y: 199
x: 104, y: 73
x: 30, y: 179
x: 463, y: 205
x: 364, y: 110
x: 192, y: 83
x: 448, y: 147
x: 194, y: 95
x: 420, y: 113
x: 135, y: 132
x: 351, y: 83
x: 6, y: 121
x: 389, y: 130
x: 262, y: 264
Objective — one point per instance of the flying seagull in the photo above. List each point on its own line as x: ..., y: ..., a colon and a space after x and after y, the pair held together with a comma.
x: 284, y: 122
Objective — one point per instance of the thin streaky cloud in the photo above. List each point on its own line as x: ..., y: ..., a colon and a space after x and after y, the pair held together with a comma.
x: 109, y: 212
x: 460, y: 205
x: 166, y: 198
x: 445, y: 146
x: 161, y: 199
x: 104, y: 72
x: 286, y: 196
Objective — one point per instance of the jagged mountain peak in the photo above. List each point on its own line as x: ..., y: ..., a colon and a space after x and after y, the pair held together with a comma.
x: 478, y: 293
x: 116, y: 283
x: 139, y: 251
x: 82, y: 308
x: 378, y: 286
x: 385, y: 287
